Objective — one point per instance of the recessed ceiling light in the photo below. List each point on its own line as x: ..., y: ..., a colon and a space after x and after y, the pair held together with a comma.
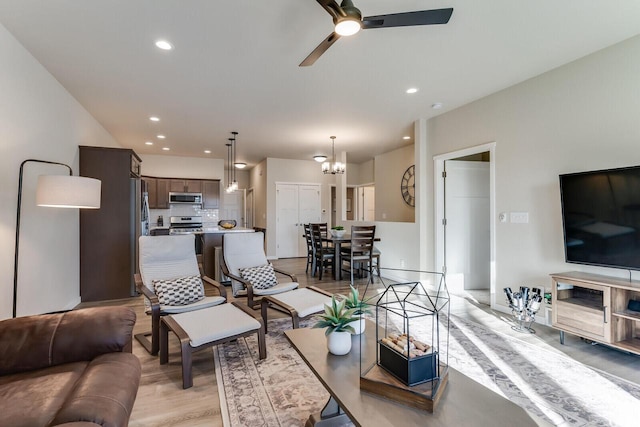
x: 319, y: 159
x: 164, y: 45
x: 207, y: 151
x: 154, y: 119
x: 437, y: 106
x: 406, y: 137
x: 166, y: 148
x: 240, y: 165
x: 149, y: 143
x: 161, y: 136
x: 412, y: 90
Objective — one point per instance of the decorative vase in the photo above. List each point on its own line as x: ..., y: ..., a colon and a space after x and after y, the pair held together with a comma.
x: 358, y: 325
x: 339, y: 343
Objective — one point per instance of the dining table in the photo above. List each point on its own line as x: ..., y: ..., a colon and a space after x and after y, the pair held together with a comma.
x: 337, y: 242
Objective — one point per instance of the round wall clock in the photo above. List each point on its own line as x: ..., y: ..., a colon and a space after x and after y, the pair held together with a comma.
x: 408, y: 186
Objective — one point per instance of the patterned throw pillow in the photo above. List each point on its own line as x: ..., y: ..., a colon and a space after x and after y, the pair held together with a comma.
x: 180, y: 291
x: 261, y: 277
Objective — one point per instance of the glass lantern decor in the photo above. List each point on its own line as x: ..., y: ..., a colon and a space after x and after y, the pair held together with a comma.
x: 411, y: 357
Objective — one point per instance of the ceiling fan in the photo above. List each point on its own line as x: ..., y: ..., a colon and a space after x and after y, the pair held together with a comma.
x: 348, y: 20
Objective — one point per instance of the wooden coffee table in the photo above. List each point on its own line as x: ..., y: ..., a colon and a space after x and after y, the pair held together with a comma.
x: 464, y: 401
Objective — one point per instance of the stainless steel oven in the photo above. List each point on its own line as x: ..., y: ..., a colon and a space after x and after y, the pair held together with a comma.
x: 188, y: 225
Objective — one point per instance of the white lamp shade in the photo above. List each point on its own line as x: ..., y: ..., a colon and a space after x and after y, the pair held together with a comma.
x: 68, y: 191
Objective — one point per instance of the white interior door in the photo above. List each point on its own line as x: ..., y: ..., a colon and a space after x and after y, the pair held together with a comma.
x: 233, y: 207
x: 467, y: 213
x: 249, y: 209
x: 309, y: 211
x: 296, y: 204
x: 369, y: 203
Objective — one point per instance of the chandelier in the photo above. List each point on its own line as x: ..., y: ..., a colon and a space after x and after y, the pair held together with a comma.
x: 333, y: 167
x: 231, y: 162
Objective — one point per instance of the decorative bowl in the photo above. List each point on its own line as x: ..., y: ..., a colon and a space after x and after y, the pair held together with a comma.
x: 227, y: 224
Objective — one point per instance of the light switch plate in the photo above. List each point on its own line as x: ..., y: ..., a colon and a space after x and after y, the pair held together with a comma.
x: 519, y: 217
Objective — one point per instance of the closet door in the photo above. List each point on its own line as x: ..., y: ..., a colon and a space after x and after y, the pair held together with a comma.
x: 296, y: 204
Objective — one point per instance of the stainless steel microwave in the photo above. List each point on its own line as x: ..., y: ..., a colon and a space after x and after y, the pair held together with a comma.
x: 186, y: 198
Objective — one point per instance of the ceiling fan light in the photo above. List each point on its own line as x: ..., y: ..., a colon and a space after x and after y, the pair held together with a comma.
x: 348, y: 26
x: 319, y: 159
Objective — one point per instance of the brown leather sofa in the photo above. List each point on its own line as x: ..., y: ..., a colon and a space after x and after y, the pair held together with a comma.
x: 71, y: 369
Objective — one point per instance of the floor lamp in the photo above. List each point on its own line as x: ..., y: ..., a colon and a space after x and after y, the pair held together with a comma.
x: 60, y: 191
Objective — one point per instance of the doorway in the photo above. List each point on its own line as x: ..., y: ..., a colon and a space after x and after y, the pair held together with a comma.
x: 465, y: 226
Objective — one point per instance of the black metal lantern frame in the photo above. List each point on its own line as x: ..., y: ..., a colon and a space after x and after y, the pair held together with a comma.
x: 417, y: 313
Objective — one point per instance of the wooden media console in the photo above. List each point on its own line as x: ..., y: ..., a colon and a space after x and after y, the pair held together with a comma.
x: 596, y: 307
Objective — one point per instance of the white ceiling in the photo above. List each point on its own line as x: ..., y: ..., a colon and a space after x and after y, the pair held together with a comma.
x: 235, y: 66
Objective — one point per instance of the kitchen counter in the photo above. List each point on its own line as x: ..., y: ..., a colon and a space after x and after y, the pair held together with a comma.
x: 206, y: 230
x: 216, y: 230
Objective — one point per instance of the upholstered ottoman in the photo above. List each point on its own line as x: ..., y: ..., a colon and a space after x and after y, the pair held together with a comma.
x: 298, y: 303
x: 205, y: 328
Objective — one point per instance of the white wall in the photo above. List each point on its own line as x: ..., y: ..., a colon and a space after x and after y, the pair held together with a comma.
x: 581, y: 116
x: 39, y: 120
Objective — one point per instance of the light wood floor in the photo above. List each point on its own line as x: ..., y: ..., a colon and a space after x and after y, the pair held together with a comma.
x: 161, y: 401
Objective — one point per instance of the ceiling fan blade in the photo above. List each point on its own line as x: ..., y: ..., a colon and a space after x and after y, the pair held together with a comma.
x: 332, y: 8
x: 422, y: 17
x: 318, y: 51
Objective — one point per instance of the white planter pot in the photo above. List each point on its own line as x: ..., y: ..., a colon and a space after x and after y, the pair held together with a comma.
x: 339, y: 343
x: 358, y: 325
x: 337, y: 233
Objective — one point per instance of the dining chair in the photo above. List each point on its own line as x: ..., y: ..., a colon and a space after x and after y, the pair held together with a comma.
x: 324, y: 257
x: 375, y: 256
x: 359, y: 254
x: 311, y: 258
x: 171, y: 282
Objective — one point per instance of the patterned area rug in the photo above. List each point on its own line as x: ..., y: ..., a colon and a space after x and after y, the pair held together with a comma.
x: 282, y: 391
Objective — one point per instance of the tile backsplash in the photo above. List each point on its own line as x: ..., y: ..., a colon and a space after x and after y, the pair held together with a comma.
x: 210, y: 217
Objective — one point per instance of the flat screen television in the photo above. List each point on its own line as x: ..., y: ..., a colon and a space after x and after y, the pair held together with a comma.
x: 601, y: 217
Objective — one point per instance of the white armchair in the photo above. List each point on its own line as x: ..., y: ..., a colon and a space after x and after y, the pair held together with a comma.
x: 168, y: 261
x: 246, y: 250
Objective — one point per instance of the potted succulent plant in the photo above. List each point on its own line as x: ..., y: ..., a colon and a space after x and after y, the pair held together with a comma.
x: 337, y: 231
x: 360, y: 307
x: 337, y: 319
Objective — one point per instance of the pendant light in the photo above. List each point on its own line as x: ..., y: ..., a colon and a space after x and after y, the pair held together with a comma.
x: 334, y: 168
x: 232, y: 166
x: 229, y: 188
x: 232, y: 183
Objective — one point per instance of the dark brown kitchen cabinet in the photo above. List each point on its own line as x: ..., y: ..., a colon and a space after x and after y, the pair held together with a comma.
x: 162, y: 197
x: 109, y: 235
x: 158, y: 192
x: 151, y: 187
x: 211, y: 194
x: 185, y: 186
